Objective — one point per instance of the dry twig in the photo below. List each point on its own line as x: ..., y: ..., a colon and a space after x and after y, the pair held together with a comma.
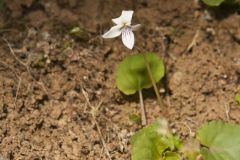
x: 18, y: 77
x: 193, y: 42
x: 26, y: 66
x: 93, y: 113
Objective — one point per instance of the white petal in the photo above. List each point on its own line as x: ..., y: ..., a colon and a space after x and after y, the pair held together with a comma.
x: 113, y: 32
x: 136, y: 27
x: 118, y: 20
x: 125, y: 18
x: 128, y: 38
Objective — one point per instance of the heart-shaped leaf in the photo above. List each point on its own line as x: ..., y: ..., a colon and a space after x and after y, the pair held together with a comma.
x: 132, y: 74
x: 220, y: 141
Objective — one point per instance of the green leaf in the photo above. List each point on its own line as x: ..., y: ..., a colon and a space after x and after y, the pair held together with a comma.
x: 221, y: 141
x: 132, y: 73
x: 147, y: 143
x: 213, y: 3
x: 171, y: 156
x: 176, y: 142
x: 237, y: 98
x: 151, y: 142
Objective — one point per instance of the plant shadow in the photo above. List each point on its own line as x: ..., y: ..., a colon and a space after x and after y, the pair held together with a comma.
x: 223, y: 11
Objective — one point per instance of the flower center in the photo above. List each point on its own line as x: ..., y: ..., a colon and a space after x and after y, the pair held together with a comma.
x: 125, y: 24
x: 126, y: 29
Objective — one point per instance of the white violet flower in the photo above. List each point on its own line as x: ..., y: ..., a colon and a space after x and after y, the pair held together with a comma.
x: 123, y: 26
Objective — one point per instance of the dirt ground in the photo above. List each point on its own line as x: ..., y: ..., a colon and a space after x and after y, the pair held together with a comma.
x: 58, y: 98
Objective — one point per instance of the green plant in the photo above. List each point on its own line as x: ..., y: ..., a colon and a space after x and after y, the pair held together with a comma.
x: 123, y: 26
x: 237, y: 98
x: 218, y: 141
x: 215, y: 140
x: 215, y: 3
x: 135, y: 72
x: 155, y: 142
x: 134, y: 118
x: 132, y: 75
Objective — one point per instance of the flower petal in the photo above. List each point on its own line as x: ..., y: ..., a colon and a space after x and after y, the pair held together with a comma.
x: 128, y: 38
x: 125, y: 18
x: 118, y: 20
x: 136, y: 27
x: 113, y: 32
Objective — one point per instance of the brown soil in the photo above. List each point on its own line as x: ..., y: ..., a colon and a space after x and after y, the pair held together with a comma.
x: 45, y: 71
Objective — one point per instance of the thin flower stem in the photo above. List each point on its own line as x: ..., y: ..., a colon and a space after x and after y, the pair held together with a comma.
x: 143, y: 113
x: 159, y: 100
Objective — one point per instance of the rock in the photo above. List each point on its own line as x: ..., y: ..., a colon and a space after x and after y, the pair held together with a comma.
x: 56, y: 112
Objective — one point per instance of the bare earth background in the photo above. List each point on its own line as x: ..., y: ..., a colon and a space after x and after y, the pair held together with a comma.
x: 45, y: 72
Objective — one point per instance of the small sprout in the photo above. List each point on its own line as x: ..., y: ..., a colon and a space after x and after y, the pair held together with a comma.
x: 132, y: 74
x: 237, y: 98
x: 41, y: 60
x: 149, y: 144
x: 76, y: 30
x: 66, y: 44
x: 135, y: 118
x: 123, y: 26
x: 79, y: 33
